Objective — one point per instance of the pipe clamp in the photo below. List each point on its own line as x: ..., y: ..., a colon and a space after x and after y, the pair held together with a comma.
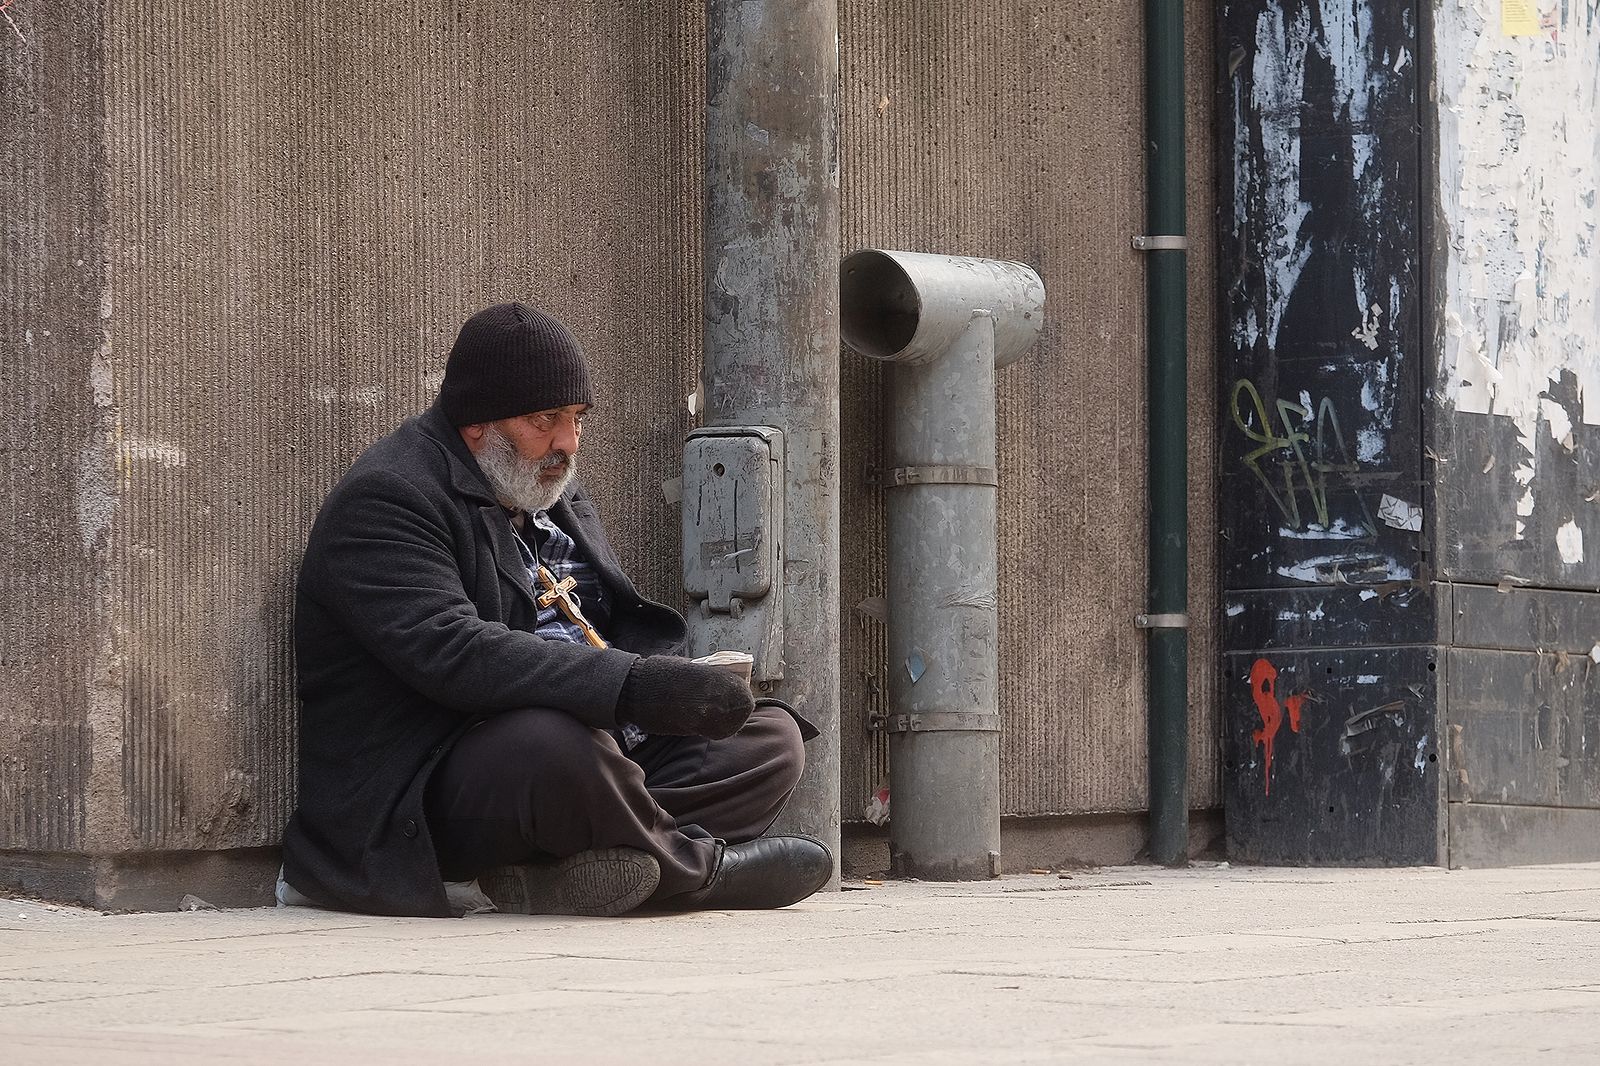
x: 943, y: 722
x: 1163, y: 243
x: 901, y: 476
x: 1161, y: 621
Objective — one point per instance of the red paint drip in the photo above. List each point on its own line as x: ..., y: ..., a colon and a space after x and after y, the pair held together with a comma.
x: 1294, y: 703
x: 1264, y: 689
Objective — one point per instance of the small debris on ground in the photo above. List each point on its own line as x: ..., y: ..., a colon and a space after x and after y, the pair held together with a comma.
x: 195, y: 903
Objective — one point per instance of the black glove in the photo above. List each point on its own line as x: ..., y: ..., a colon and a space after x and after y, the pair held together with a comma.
x: 673, y: 696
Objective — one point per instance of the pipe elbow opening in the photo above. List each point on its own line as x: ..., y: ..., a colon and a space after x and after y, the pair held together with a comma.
x: 879, y: 307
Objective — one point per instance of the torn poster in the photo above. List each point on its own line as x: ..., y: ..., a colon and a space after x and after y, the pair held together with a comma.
x: 1519, y: 18
x: 1400, y: 514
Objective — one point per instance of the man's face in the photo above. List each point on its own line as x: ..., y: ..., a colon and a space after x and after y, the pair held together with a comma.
x: 535, y: 436
x: 530, y: 458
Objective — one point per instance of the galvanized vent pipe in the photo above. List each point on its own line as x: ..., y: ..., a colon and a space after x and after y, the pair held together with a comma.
x: 947, y: 323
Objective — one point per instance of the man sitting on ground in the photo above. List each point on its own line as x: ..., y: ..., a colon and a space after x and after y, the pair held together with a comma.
x: 485, y: 695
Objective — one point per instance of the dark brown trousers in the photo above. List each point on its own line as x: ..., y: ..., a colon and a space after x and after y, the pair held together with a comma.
x: 537, y: 784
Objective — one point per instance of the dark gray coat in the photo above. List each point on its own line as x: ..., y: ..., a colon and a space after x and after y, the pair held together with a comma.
x: 414, y: 619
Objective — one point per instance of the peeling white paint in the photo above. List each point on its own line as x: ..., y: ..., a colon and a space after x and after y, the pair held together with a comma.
x: 1335, y: 530
x: 1346, y: 40
x: 1519, y: 178
x: 1556, y: 417
x: 1366, y: 679
x: 1421, y: 761
x: 1519, y: 140
x: 1371, y: 322
x: 1342, y: 36
x: 1276, y: 86
x: 1569, y: 542
x: 1307, y: 571
x: 1345, y: 569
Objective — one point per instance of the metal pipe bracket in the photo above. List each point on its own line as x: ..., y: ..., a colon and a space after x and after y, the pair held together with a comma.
x: 943, y: 722
x: 901, y: 476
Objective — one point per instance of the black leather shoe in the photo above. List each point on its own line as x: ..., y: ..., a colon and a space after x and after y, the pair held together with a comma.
x: 761, y: 874
x: 601, y: 883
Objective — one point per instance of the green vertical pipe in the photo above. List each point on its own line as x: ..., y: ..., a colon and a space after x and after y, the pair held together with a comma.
x: 1167, y: 313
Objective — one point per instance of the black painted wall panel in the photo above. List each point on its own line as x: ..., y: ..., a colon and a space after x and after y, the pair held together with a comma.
x: 1524, y: 728
x: 1480, y: 539
x: 1341, y: 616
x: 1321, y: 337
x: 1325, y: 560
x: 1353, y: 776
x: 1368, y: 531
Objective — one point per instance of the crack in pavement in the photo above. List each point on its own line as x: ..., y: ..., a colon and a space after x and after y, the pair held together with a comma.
x: 1144, y: 980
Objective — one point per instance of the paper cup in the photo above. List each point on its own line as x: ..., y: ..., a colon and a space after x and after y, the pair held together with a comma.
x: 735, y: 662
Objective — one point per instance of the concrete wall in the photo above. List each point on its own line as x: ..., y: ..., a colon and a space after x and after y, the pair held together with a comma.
x: 54, y: 603
x: 242, y: 241
x: 1015, y: 130
x: 281, y: 223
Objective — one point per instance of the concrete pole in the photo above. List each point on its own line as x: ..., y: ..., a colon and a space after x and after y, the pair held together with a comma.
x: 772, y: 330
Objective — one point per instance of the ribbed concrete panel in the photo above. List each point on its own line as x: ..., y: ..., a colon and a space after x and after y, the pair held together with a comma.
x: 1015, y: 130
x: 304, y: 209
x: 53, y: 449
x: 284, y: 216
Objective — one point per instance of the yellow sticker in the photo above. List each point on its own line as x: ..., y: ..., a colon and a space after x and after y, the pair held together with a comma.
x: 1519, y: 18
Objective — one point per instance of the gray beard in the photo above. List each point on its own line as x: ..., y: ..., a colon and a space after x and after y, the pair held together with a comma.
x: 515, y: 480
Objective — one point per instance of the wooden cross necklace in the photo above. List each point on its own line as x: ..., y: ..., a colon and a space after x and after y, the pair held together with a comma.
x: 560, y: 594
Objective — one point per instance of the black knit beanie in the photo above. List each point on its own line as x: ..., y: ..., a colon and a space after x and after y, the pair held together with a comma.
x: 510, y: 360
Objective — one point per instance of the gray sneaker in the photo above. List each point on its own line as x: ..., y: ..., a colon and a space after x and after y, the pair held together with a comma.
x: 602, y: 883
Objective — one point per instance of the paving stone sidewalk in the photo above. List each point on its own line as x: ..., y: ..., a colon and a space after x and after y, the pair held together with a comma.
x: 1207, y: 965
